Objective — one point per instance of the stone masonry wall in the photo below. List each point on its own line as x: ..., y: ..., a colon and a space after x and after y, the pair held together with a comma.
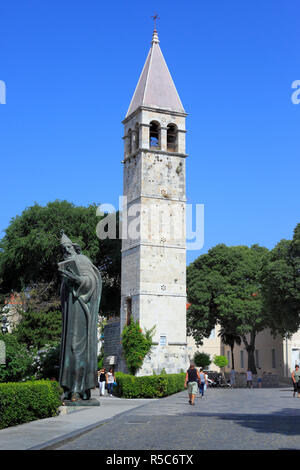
x: 268, y: 380
x: 112, y: 343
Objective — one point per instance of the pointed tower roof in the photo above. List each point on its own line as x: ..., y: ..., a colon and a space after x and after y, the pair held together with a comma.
x: 155, y: 87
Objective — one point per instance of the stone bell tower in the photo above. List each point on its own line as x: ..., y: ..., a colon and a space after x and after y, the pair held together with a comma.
x: 153, y: 285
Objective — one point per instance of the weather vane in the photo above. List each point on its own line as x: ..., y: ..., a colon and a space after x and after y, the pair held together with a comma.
x: 155, y: 17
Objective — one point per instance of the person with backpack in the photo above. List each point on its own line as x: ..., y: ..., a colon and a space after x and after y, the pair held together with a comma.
x: 202, y: 383
x: 191, y: 381
x: 110, y: 380
x: 296, y: 380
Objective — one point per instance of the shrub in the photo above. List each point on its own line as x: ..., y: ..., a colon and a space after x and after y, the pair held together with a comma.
x: 100, y: 359
x: 136, y: 345
x: 220, y: 361
x: 202, y: 359
x: 148, y: 386
x: 47, y: 362
x: 27, y: 401
x: 19, y: 360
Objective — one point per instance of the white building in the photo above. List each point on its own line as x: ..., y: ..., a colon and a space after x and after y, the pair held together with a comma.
x: 272, y: 355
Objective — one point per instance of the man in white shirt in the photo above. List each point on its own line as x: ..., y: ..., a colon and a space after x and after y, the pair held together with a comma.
x: 249, y: 379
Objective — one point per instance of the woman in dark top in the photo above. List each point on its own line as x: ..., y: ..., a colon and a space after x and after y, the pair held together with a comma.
x: 102, y: 381
x: 191, y: 380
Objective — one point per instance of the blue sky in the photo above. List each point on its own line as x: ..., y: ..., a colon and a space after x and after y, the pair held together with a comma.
x: 71, y: 67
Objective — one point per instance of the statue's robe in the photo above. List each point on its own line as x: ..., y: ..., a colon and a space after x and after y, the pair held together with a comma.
x: 80, y: 306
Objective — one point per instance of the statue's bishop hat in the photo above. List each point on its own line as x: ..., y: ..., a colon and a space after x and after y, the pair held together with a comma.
x: 64, y: 239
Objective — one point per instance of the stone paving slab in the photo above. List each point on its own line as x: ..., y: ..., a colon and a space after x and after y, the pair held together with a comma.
x: 238, y: 419
x: 41, y: 433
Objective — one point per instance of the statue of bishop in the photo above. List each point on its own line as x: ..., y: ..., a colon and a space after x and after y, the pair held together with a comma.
x: 80, y: 299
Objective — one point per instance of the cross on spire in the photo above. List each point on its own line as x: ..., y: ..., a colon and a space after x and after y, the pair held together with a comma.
x: 155, y: 17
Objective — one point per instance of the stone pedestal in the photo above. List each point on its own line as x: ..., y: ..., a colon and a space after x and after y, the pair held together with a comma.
x: 90, y: 402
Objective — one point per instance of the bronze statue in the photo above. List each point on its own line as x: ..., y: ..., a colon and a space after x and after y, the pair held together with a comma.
x: 80, y: 299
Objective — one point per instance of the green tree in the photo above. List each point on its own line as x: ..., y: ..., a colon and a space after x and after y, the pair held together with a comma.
x: 202, y: 359
x: 47, y: 362
x: 222, y: 362
x: 39, y: 328
x: 136, y: 345
x: 230, y: 338
x: 281, y: 286
x: 19, y: 364
x: 224, y: 287
x: 30, y: 250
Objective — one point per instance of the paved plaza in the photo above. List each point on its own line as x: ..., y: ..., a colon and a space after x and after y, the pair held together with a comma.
x: 239, y: 419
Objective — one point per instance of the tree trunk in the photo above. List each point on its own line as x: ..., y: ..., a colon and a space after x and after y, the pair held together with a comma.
x: 232, y: 358
x: 250, y: 348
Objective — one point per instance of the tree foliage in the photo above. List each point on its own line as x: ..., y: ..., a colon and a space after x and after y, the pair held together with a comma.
x: 136, y: 345
x: 202, y: 359
x: 220, y: 361
x: 30, y: 251
x: 39, y: 328
x: 19, y: 363
x: 224, y: 286
x: 230, y: 337
x: 281, y: 286
x: 48, y: 362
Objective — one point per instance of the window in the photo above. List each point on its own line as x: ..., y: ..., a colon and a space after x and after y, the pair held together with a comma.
x: 154, y: 135
x: 273, y: 359
x: 129, y: 142
x: 163, y: 340
x: 242, y: 359
x: 172, y: 134
x: 128, y: 310
x: 136, y: 137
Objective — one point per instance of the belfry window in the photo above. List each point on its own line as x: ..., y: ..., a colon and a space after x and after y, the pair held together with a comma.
x: 129, y: 142
x: 172, y: 138
x: 136, y: 137
x: 154, y: 135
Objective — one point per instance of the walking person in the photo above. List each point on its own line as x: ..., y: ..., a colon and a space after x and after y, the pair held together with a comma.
x: 259, y: 377
x: 249, y: 379
x: 110, y: 379
x: 202, y: 382
x: 232, y: 377
x: 191, y: 381
x: 102, y: 381
x: 296, y: 381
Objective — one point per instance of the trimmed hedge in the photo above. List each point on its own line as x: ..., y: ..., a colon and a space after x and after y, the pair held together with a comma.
x: 21, y: 402
x: 148, y: 386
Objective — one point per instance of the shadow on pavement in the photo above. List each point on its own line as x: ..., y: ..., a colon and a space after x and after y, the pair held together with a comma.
x: 282, y: 422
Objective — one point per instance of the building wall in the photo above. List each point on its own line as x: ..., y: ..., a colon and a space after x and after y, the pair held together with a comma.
x: 268, y: 354
x: 291, y: 353
x: 274, y: 355
x: 211, y: 346
x: 153, y: 284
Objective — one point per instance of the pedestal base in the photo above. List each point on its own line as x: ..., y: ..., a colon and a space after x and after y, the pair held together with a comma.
x: 90, y: 402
